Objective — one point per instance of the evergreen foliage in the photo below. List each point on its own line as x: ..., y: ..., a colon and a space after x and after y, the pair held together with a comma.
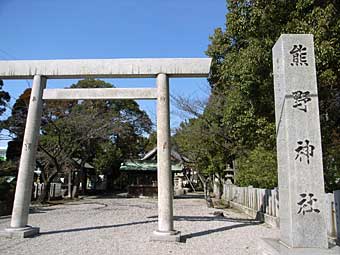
x: 75, y: 132
x: 4, y: 98
x: 239, y: 118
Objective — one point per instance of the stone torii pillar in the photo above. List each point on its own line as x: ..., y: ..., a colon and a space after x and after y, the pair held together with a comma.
x: 165, y: 229
x: 23, y: 190
x: 161, y: 69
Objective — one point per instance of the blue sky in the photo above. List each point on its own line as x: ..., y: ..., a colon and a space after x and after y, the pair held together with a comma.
x: 78, y: 29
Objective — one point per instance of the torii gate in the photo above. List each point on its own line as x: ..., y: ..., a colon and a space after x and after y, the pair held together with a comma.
x: 41, y: 70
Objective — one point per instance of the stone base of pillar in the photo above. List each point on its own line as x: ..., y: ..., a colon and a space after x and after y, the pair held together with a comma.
x: 269, y: 246
x: 171, y: 236
x: 24, y: 232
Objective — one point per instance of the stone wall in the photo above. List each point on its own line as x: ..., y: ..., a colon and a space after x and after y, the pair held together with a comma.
x: 263, y: 204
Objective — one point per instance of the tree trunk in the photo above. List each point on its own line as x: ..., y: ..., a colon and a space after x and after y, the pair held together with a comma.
x: 45, y: 192
x: 217, y: 182
x: 83, y: 172
x: 205, y: 185
x: 109, y: 183
x: 75, y: 185
x: 69, y: 184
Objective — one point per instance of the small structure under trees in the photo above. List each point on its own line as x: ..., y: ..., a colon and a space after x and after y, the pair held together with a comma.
x: 140, y: 176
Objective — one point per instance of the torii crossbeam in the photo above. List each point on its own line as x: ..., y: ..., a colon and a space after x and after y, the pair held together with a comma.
x: 41, y: 70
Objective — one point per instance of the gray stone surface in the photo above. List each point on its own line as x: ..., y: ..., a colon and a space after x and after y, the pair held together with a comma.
x: 275, y: 247
x: 107, y: 93
x: 173, y: 236
x: 164, y: 176
x: 105, y: 68
x: 27, y: 161
x: 270, y: 220
x: 20, y: 232
x: 300, y: 170
x: 119, y: 226
x: 337, y: 212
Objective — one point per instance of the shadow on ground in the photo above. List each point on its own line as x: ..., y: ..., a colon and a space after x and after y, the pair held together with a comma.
x: 95, y: 227
x: 190, y: 196
x: 211, y: 231
x: 242, y: 223
x: 35, y: 210
x: 211, y: 218
x: 124, y: 195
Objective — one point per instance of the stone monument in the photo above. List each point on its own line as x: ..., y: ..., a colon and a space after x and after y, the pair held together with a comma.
x: 299, y: 154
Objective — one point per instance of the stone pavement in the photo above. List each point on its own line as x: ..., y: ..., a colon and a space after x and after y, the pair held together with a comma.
x: 123, y: 226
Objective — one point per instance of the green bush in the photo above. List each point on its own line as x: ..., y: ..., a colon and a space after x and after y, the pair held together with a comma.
x: 331, y: 159
x: 258, y: 169
x: 6, y: 196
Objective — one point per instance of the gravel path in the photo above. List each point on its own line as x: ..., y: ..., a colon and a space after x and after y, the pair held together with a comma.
x: 124, y: 226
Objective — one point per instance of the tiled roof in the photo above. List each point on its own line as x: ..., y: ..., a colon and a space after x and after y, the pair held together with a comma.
x: 142, y: 165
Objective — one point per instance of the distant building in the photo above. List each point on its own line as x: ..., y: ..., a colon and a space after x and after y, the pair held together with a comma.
x: 142, y: 172
x: 140, y: 176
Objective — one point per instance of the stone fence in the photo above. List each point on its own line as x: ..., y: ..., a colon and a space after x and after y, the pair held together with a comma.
x: 264, y: 205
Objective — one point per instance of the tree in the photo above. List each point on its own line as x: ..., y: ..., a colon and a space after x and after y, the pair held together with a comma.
x: 242, y: 73
x: 4, y: 98
x: 6, y: 189
x: 201, y: 141
x: 15, y: 125
x: 99, y: 132
x: 258, y: 169
x: 188, y: 140
x: 151, y: 142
